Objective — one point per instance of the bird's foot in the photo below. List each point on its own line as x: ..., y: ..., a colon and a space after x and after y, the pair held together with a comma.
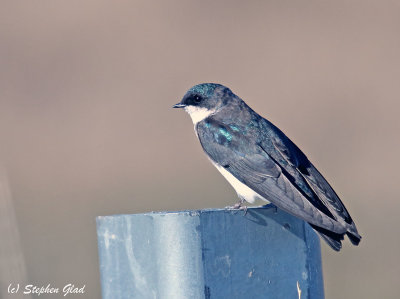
x: 238, y: 206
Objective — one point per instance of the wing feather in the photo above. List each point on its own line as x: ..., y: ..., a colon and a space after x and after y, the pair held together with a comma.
x: 253, y: 166
x: 302, y: 167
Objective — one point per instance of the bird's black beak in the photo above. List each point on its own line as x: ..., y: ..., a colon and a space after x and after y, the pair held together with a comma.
x: 179, y: 105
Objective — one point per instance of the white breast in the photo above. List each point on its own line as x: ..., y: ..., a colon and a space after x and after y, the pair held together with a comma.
x: 241, y: 189
x: 198, y: 113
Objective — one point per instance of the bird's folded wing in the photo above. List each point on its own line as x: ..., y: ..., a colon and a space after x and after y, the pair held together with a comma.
x: 262, y: 174
x: 298, y: 166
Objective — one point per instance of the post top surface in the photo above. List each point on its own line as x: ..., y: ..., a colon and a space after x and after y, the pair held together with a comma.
x: 192, y: 212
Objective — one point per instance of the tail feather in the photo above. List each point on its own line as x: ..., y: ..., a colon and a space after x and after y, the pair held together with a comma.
x: 334, y: 240
x: 354, y: 237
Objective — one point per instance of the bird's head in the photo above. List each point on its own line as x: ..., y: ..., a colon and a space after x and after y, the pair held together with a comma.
x: 204, y: 99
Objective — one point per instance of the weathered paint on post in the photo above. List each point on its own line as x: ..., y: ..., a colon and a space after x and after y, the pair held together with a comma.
x: 209, y: 254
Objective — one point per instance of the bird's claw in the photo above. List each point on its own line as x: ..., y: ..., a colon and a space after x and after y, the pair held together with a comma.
x: 238, y: 206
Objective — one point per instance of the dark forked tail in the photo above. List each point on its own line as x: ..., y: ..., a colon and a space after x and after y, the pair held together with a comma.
x: 334, y: 240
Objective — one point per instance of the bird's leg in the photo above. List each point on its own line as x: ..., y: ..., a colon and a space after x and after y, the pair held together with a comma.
x: 239, y: 205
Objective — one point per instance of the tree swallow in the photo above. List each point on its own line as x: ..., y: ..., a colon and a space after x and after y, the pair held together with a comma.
x: 262, y: 163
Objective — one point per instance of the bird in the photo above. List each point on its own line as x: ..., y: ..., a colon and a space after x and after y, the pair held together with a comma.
x: 262, y: 163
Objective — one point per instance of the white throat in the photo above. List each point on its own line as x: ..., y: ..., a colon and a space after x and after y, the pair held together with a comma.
x: 198, y: 113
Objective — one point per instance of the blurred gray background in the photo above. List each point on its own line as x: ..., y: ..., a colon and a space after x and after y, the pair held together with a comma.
x: 87, y: 129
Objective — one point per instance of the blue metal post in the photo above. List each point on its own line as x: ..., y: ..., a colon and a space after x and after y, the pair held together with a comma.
x: 209, y: 254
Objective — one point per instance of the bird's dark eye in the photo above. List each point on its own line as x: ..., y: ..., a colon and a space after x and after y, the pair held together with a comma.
x: 197, y: 99
x: 194, y: 100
